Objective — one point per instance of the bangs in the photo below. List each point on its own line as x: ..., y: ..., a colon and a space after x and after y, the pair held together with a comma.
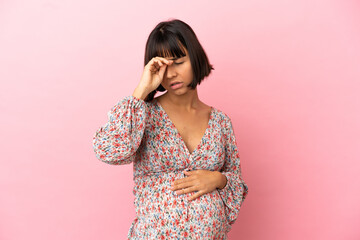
x: 169, y: 46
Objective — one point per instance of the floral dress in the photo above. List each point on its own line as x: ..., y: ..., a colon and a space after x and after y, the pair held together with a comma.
x: 142, y: 133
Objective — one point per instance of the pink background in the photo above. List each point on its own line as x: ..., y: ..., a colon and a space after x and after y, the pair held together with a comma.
x: 286, y: 72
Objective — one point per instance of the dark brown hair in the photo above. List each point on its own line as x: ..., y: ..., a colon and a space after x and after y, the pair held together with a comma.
x: 168, y: 39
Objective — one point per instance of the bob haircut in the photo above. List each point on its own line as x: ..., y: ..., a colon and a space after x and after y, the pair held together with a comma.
x: 168, y: 39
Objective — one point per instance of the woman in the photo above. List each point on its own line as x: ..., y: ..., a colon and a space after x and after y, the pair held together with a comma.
x: 188, y: 182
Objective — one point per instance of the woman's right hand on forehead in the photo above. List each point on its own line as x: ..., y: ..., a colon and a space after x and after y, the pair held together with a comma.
x: 153, y: 73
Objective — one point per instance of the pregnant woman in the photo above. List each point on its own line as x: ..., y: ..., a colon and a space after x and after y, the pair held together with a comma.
x: 187, y: 174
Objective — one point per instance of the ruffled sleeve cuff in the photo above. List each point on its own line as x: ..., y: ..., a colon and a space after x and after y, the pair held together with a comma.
x: 117, y: 141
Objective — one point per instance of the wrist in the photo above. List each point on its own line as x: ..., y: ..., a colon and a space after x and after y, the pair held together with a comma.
x: 222, y: 180
x: 140, y: 93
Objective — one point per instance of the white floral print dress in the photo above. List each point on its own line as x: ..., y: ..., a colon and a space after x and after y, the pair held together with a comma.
x: 142, y: 133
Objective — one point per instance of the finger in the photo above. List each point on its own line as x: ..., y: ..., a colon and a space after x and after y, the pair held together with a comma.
x: 152, y: 65
x: 195, y: 195
x: 154, y: 70
x: 188, y: 172
x: 156, y: 66
x: 177, y: 182
x: 164, y: 60
x: 157, y: 63
x: 186, y: 179
x: 154, y: 62
x: 175, y: 186
x: 180, y: 181
x: 162, y: 71
x: 186, y: 190
x: 180, y: 185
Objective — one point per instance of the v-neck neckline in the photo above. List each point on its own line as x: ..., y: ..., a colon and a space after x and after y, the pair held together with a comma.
x: 177, y: 131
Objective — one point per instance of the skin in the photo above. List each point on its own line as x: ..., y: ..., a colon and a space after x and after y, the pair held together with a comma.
x: 189, y: 115
x: 203, y: 181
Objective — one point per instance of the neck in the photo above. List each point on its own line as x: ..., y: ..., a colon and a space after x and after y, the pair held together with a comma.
x: 186, y: 102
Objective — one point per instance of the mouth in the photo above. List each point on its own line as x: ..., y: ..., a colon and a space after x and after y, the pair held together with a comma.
x: 174, y: 83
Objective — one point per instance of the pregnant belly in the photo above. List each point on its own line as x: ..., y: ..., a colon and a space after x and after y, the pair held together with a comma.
x: 158, y: 206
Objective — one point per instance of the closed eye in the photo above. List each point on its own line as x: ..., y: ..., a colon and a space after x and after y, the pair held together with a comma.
x: 178, y: 63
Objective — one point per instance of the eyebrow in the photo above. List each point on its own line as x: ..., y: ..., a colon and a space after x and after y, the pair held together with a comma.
x: 174, y: 58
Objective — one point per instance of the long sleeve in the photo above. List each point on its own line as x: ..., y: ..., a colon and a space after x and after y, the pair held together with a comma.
x: 235, y: 190
x: 117, y: 141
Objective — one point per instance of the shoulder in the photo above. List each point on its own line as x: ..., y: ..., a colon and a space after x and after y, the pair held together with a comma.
x: 222, y: 116
x: 223, y: 120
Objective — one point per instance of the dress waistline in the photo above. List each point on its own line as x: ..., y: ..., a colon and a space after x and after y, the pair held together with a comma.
x: 151, y: 174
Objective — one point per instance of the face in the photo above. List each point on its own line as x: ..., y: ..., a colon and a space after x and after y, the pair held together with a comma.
x: 179, y: 71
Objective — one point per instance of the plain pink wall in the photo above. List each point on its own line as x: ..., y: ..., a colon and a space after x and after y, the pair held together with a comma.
x: 286, y: 72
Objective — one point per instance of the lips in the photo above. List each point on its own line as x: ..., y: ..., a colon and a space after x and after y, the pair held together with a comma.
x: 174, y: 83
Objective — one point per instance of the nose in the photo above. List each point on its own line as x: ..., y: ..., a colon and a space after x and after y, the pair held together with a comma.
x: 170, y: 71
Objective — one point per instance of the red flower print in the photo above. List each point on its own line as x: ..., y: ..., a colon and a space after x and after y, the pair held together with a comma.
x: 140, y: 132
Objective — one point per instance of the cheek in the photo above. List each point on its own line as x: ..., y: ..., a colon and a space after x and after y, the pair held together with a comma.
x: 188, y: 70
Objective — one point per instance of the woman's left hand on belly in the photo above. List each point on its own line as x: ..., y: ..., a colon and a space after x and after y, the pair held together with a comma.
x: 202, y: 181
